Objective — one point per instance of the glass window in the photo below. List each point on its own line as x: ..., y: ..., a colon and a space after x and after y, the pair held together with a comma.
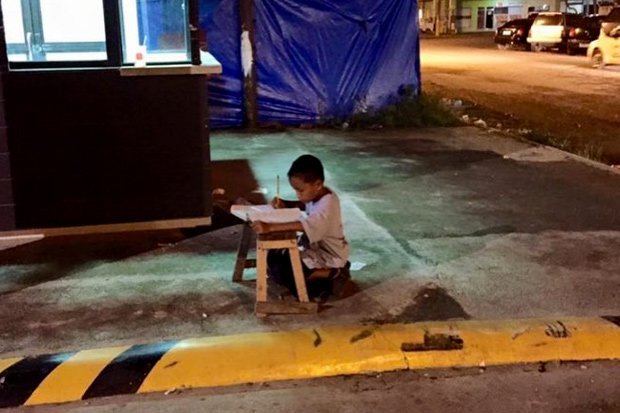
x: 575, y: 20
x: 614, y: 15
x: 54, y: 30
x: 13, y: 28
x: 72, y: 20
x: 155, y: 31
x: 548, y: 20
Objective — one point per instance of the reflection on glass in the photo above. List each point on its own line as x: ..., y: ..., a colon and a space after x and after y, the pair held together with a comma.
x: 13, y: 27
x: 60, y: 30
x: 160, y: 25
x: 73, y: 20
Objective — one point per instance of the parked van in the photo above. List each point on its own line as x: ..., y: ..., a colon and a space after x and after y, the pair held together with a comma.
x: 563, y: 31
x: 606, y: 49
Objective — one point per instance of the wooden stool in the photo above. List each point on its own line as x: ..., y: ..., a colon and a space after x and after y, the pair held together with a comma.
x: 264, y: 243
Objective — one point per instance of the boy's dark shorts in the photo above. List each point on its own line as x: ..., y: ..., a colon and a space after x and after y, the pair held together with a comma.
x: 280, y: 271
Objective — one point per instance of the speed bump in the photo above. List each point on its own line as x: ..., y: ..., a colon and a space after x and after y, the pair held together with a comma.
x: 301, y: 354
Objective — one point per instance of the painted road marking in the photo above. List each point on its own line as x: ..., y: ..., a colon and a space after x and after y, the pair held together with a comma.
x: 310, y: 353
x: 261, y: 357
x: 70, y: 380
x: 125, y: 373
x: 6, y: 363
x: 21, y: 379
x: 521, y: 341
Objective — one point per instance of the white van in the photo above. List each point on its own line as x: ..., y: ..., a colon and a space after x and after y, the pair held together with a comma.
x: 564, y: 31
x: 606, y: 49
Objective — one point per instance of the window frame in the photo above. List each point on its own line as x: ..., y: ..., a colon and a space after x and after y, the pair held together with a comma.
x: 113, y: 43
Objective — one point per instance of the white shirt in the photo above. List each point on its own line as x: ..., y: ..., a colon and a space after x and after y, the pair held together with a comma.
x: 327, y: 247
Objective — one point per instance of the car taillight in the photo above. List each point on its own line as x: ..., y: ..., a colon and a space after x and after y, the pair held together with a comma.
x: 520, y: 32
x: 572, y: 32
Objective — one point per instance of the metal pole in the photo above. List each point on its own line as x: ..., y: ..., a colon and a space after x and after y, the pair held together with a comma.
x: 450, y: 15
x: 248, y: 62
x: 436, y: 6
x: 194, y: 31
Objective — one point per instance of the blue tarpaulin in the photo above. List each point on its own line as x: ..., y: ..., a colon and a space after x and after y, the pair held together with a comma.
x: 156, y: 18
x: 220, y: 19
x: 316, y: 59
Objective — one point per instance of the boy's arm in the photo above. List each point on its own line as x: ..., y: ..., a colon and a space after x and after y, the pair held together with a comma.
x: 285, y: 203
x: 263, y: 227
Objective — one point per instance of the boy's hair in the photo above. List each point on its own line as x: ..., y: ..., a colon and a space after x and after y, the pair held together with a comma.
x: 308, y: 168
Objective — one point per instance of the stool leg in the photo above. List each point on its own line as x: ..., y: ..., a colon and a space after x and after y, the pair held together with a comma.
x: 242, y: 252
x: 261, y: 274
x: 298, y: 272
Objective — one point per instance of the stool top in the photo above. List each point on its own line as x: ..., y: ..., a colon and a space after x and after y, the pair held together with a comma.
x: 266, y: 213
x: 277, y: 235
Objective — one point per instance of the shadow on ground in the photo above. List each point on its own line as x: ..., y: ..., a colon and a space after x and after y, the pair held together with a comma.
x: 53, y: 258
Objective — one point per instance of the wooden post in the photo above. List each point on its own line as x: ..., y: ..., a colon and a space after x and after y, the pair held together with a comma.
x: 242, y: 253
x: 248, y: 63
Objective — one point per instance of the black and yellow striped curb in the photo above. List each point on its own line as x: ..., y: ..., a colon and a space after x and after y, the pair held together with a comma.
x: 310, y: 353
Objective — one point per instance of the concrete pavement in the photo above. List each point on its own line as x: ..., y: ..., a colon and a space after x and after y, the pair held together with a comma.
x: 445, y: 224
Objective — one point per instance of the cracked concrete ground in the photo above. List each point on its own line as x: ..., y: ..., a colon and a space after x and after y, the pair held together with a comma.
x: 446, y: 223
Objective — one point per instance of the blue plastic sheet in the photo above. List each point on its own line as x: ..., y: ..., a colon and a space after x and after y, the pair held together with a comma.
x: 157, y: 18
x: 319, y: 59
x: 220, y: 19
x: 316, y: 59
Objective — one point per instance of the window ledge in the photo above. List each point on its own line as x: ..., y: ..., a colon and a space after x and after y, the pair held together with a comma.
x: 209, y: 66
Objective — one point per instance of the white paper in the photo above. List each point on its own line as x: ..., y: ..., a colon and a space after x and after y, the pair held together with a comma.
x: 266, y: 213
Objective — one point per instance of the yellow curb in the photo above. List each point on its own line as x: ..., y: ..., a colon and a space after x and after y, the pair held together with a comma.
x: 351, y: 350
x: 6, y: 363
x: 70, y: 380
x: 518, y: 341
x: 331, y: 351
x: 273, y: 356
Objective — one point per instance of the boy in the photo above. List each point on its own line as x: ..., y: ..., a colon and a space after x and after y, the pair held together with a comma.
x: 323, y: 248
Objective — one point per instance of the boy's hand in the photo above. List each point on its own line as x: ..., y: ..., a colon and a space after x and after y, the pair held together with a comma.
x: 278, y: 203
x: 260, y: 227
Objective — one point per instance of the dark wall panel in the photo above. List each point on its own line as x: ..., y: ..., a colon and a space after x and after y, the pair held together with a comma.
x: 91, y: 147
x: 7, y: 207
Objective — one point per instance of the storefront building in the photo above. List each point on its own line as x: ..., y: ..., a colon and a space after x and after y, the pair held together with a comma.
x: 103, y: 116
x: 486, y: 15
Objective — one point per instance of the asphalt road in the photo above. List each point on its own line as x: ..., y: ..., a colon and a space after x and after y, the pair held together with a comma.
x: 559, y: 97
x: 542, y: 388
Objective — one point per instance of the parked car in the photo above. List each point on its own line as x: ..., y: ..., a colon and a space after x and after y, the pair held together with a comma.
x: 563, y: 31
x: 606, y: 49
x: 514, y: 34
x: 610, y: 21
x: 579, y: 38
x: 614, y: 15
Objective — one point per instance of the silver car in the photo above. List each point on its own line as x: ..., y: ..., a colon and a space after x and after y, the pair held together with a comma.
x: 563, y: 31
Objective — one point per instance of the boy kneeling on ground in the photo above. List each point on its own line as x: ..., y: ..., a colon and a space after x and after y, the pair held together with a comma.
x: 323, y: 247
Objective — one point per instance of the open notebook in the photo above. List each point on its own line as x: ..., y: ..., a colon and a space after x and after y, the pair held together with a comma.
x: 266, y: 213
